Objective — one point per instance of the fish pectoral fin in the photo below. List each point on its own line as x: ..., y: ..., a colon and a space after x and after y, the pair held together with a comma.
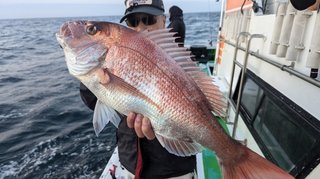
x: 125, y: 88
x: 119, y: 82
x: 102, y: 115
x: 179, y: 147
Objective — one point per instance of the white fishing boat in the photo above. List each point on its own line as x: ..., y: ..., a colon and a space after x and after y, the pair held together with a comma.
x: 266, y: 63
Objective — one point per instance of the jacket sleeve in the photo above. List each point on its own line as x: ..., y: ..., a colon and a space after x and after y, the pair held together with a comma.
x: 87, y: 97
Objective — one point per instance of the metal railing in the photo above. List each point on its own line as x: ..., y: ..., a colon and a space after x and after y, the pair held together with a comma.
x: 286, y: 68
x: 244, y: 69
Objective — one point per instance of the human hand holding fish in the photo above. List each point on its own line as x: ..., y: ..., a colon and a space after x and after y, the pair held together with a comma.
x: 148, y: 74
x: 141, y: 125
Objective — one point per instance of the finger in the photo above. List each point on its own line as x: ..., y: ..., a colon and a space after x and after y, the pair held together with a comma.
x: 137, y: 125
x: 130, y: 119
x: 147, y: 129
x: 103, y: 76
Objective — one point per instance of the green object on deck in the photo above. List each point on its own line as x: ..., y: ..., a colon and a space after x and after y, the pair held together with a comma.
x: 210, y: 162
x: 222, y: 122
x: 211, y: 54
x: 210, y: 165
x: 207, y: 65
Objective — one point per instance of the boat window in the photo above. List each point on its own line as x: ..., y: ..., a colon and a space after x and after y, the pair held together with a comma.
x: 285, y: 133
x: 270, y: 124
x: 252, y: 94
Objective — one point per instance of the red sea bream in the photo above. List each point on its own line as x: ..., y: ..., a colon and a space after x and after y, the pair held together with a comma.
x: 148, y: 73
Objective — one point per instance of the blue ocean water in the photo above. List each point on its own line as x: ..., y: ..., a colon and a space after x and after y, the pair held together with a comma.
x: 45, y: 129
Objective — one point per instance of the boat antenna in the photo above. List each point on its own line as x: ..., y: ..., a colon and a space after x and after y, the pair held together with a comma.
x: 210, y: 28
x: 244, y: 1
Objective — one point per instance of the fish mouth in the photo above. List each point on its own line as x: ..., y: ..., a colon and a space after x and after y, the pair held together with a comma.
x: 64, y: 30
x: 64, y: 33
x: 68, y: 31
x: 68, y: 28
x: 60, y: 40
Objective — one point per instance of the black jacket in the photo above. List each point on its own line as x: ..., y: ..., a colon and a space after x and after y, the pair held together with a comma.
x: 157, y: 161
x: 177, y: 23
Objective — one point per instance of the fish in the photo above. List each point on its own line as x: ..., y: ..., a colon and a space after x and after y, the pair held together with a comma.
x: 148, y: 73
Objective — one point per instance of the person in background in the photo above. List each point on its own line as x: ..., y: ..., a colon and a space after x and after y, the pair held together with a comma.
x: 305, y: 4
x: 177, y: 24
x: 140, y: 153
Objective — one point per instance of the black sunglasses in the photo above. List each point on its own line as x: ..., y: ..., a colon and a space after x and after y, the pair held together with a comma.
x: 133, y: 21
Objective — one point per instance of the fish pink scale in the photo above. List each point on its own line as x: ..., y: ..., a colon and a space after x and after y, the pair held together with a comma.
x: 174, y: 105
x: 145, y: 73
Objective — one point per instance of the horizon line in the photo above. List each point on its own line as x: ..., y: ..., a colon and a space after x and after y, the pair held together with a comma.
x: 49, y: 17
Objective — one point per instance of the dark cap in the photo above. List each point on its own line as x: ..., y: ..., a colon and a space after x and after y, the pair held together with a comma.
x: 152, y: 7
x: 302, y: 4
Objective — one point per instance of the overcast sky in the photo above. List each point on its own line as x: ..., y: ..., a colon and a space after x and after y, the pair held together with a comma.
x: 66, y: 8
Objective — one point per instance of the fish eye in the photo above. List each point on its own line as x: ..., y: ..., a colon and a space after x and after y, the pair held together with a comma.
x: 91, y: 29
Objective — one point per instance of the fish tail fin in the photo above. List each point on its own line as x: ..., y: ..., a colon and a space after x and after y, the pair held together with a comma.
x: 252, y: 166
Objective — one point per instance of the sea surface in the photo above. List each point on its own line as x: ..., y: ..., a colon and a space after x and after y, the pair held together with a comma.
x: 45, y: 129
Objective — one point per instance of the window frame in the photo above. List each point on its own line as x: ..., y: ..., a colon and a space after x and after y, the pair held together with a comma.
x: 297, y: 116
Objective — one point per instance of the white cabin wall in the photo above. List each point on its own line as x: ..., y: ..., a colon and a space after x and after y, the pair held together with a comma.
x: 302, y: 93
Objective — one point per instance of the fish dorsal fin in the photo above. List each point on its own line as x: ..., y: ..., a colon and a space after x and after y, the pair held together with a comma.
x: 153, y: 33
x: 164, y: 38
x: 212, y: 93
x: 102, y: 115
x: 205, y: 83
x: 179, y: 147
x: 160, y: 36
x: 178, y: 49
